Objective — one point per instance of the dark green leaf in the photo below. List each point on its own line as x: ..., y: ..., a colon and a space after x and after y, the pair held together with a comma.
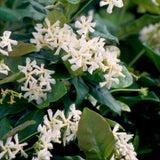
x: 137, y: 25
x: 104, y: 97
x: 94, y: 135
x: 113, y: 123
x: 123, y: 82
x: 22, y: 49
x: 14, y: 15
x: 4, y: 127
x: 68, y: 158
x: 133, y: 100
x: 155, y: 57
x: 148, y: 5
x: 73, y: 1
x: 37, y: 116
x: 6, y: 109
x: 81, y: 89
x: 57, y: 92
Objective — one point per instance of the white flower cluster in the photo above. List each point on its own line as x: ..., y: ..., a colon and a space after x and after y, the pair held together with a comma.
x: 51, y: 130
x: 124, y: 148
x: 11, y: 148
x: 151, y: 34
x: 37, y: 81
x: 111, y: 4
x: 88, y: 54
x: 5, y: 47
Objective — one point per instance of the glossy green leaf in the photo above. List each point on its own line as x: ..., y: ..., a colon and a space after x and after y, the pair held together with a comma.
x: 14, y: 15
x: 81, y: 89
x: 68, y: 158
x: 73, y: 1
x: 104, y: 97
x: 123, y: 82
x: 133, y: 100
x: 57, y: 92
x: 54, y: 16
x: 12, y: 78
x: 155, y: 57
x: 124, y: 107
x: 37, y: 116
x: 78, y: 72
x: 4, y: 126
x: 22, y: 49
x: 113, y: 123
x: 137, y: 25
x: 94, y: 135
x: 6, y: 109
x: 148, y: 5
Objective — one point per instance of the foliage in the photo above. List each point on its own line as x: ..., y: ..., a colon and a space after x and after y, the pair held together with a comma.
x: 129, y: 98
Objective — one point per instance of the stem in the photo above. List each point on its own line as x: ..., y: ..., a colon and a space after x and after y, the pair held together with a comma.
x: 79, y: 11
x: 15, y: 4
x: 122, y: 15
x: 28, y: 137
x: 136, y: 58
x: 125, y: 90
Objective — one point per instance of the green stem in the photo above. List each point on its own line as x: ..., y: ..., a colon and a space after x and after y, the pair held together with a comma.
x: 137, y: 57
x: 125, y: 90
x: 122, y: 15
x: 79, y: 11
x: 28, y: 137
x: 15, y: 4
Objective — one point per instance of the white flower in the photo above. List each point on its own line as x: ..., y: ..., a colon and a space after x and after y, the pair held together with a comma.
x: 124, y: 148
x: 6, y: 149
x: 10, y: 149
x: 155, y: 2
x: 19, y: 147
x: 37, y: 81
x: 6, y: 42
x: 85, y: 25
x: 75, y: 113
x: 111, y: 4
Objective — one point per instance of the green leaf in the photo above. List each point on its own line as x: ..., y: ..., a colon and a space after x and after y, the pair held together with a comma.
x: 155, y: 57
x: 73, y: 1
x: 18, y: 128
x: 104, y: 97
x: 37, y: 116
x: 113, y: 123
x: 22, y: 49
x: 78, y: 72
x: 81, y: 89
x: 103, y: 32
x: 54, y: 16
x: 68, y: 158
x: 12, y: 78
x: 6, y: 109
x: 14, y: 15
x: 124, y: 107
x: 123, y: 82
x: 148, y: 5
x: 137, y: 25
x: 4, y: 127
x: 133, y: 100
x: 94, y: 135
x: 57, y: 92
